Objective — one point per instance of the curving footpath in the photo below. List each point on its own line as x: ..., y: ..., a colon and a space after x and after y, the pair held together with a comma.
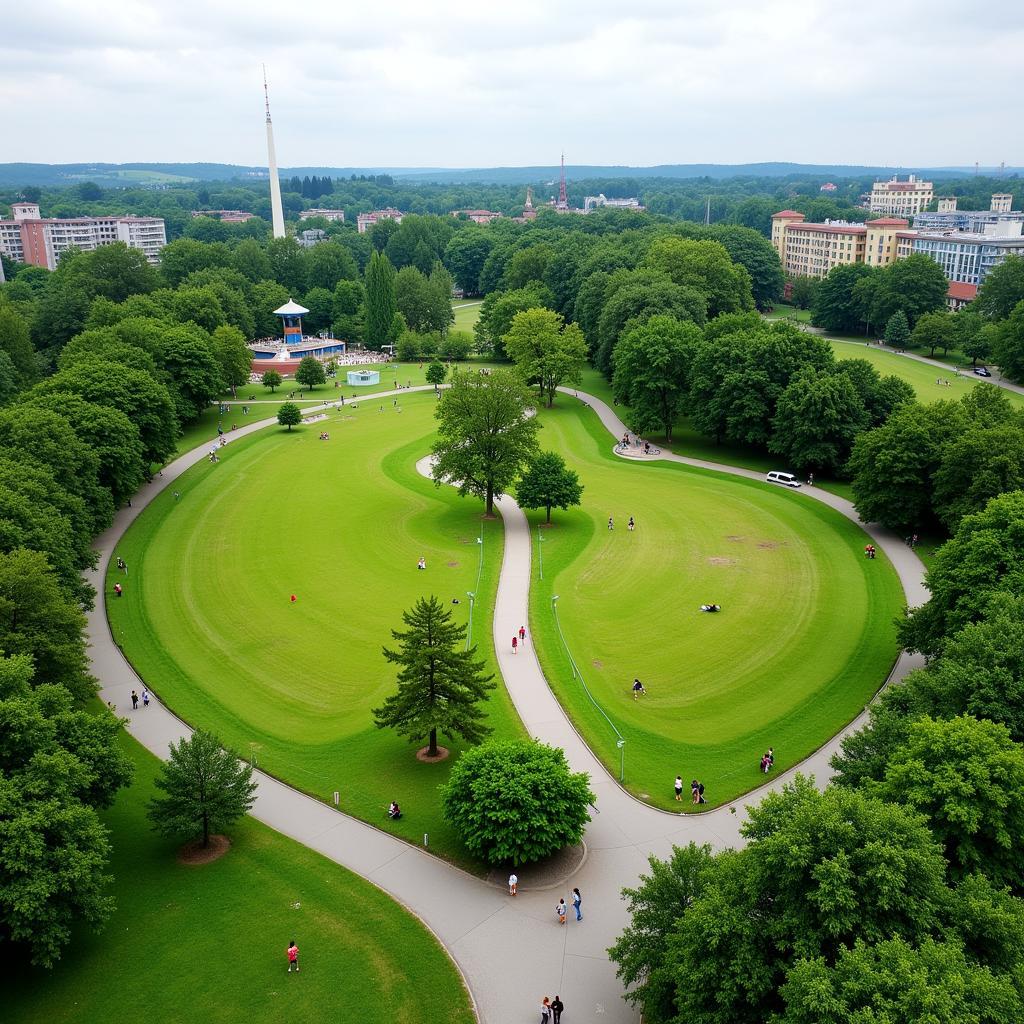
x: 511, y: 951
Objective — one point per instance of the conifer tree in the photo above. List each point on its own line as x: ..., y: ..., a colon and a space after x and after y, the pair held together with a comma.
x: 380, y: 300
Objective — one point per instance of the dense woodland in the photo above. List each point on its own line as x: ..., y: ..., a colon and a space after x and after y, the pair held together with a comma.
x: 105, y: 360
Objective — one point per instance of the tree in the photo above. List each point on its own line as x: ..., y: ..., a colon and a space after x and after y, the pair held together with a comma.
x: 38, y: 620
x: 817, y: 419
x: 897, y: 330
x: 232, y: 355
x: 181, y: 257
x: 984, y: 556
x: 436, y: 373
x: 289, y: 415
x: 186, y: 354
x: 651, y: 372
x: 706, y: 266
x: 464, y: 256
x: 486, y: 433
x: 266, y: 297
x: 1008, y: 344
x: 834, y: 307
x: 320, y: 303
x: 348, y: 310
x: 546, y: 349
x: 655, y: 906
x: 516, y: 801
x: 456, y: 346
x: 932, y: 331
x: 1002, y: 289
x: 499, y: 309
x: 57, y: 765
x: 967, y: 778
x: 205, y: 787
x: 803, y: 292
x: 917, y: 284
x: 329, y: 263
x: 548, y: 483
x: 380, y: 301
x: 893, y: 980
x: 310, y: 372
x: 17, y: 345
x: 271, y: 379
x: 440, y: 684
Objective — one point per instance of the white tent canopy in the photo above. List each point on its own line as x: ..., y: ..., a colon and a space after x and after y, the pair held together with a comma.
x: 291, y: 308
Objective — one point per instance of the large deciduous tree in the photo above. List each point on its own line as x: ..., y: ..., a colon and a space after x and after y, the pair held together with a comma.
x: 1008, y: 344
x: 487, y: 432
x: 516, y: 801
x: 205, y: 787
x: 310, y: 372
x: 548, y: 483
x: 652, y: 372
x: 706, y: 266
x: 546, y: 350
x: 1002, y: 289
x: 440, y: 684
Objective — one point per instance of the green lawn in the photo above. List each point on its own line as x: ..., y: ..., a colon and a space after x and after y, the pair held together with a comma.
x: 209, y: 942
x: 804, y: 639
x: 467, y: 312
x: 207, y: 621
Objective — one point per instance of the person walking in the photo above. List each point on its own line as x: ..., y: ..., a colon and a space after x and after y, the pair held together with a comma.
x: 577, y: 903
x: 679, y: 788
x: 293, y: 957
x: 513, y: 884
x: 694, y: 791
x: 631, y: 526
x: 560, y: 910
x: 522, y: 634
x: 515, y: 643
x: 135, y: 701
x: 611, y: 523
x: 700, y: 793
x: 145, y: 697
x: 557, y: 1006
x: 638, y: 688
x: 545, y: 1011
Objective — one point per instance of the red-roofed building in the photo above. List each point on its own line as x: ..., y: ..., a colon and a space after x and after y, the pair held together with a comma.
x: 959, y: 295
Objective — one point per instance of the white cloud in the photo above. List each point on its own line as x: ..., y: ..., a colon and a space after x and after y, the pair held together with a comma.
x: 465, y: 83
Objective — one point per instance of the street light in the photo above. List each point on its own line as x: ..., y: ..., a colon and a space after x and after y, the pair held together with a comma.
x: 469, y: 633
x: 540, y: 550
x: 621, y: 744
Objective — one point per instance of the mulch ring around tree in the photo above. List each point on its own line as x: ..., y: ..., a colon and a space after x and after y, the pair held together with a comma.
x: 194, y: 853
x: 422, y: 755
x: 554, y: 872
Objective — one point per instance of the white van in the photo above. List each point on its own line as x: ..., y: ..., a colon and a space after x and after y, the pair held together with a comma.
x: 786, y: 479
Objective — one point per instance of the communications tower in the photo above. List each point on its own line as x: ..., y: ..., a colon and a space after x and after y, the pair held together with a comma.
x: 563, y: 199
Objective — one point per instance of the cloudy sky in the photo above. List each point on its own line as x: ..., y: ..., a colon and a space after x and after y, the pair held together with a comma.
x: 477, y: 83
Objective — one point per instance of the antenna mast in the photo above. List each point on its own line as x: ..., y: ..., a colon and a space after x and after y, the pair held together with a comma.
x: 563, y: 199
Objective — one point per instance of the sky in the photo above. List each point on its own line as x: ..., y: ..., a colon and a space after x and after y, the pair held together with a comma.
x: 474, y: 83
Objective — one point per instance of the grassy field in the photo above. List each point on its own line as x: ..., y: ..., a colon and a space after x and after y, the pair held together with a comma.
x: 804, y: 639
x: 467, y: 312
x: 209, y: 942
x: 207, y: 621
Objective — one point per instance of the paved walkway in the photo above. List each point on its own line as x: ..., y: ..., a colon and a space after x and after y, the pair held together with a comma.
x: 511, y: 952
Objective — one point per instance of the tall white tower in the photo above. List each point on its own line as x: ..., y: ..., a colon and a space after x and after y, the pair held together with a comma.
x: 276, y: 210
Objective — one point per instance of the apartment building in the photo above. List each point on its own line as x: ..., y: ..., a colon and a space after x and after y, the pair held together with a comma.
x: 967, y: 257
x: 317, y: 211
x: 365, y: 221
x: 948, y: 218
x: 478, y: 216
x: 595, y: 202
x: 30, y: 238
x: 226, y: 216
x: 900, y: 198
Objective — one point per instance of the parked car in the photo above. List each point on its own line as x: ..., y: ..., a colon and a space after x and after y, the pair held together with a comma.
x: 982, y: 371
x: 786, y: 479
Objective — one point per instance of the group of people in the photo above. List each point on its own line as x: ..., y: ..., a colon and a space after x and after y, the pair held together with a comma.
x: 324, y: 436
x: 768, y: 760
x: 710, y: 607
x: 869, y: 550
x: 394, y: 811
x: 145, y: 699
x: 518, y: 638
x: 696, y: 791
x: 631, y: 525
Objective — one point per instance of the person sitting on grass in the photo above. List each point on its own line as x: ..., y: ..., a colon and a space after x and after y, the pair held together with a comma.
x: 638, y: 688
x: 394, y: 811
x: 710, y: 607
x: 421, y: 564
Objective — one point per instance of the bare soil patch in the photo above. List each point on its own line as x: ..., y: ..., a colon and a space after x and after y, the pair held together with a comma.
x: 422, y: 755
x: 721, y: 561
x: 195, y: 854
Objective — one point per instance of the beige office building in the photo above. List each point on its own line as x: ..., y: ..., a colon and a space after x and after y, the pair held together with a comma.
x: 900, y: 198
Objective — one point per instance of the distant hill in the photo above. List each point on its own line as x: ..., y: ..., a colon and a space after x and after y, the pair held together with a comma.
x: 14, y: 174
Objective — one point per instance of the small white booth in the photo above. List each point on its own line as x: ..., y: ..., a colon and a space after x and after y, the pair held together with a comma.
x: 363, y: 378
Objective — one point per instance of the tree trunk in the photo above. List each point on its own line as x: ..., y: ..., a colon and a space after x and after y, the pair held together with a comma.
x: 206, y: 830
x: 549, y: 515
x: 432, y: 749
x: 489, y: 509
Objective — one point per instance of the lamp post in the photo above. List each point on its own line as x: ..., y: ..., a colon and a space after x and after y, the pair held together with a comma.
x: 469, y: 632
x: 621, y: 744
x: 540, y: 550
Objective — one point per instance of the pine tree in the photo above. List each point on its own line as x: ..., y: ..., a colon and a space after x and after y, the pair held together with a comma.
x: 897, y: 330
x: 440, y: 684
x: 380, y: 300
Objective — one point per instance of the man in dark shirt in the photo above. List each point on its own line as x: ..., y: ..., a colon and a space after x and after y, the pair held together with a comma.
x: 556, y: 1009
